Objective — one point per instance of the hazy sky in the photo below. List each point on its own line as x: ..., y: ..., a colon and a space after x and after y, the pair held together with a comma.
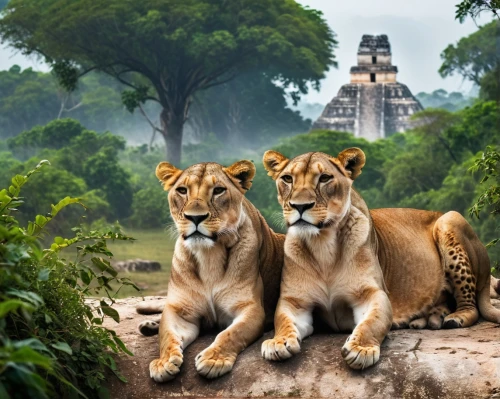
x: 418, y: 31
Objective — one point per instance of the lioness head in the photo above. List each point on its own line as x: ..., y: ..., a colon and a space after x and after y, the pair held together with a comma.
x: 206, y: 199
x: 314, y: 189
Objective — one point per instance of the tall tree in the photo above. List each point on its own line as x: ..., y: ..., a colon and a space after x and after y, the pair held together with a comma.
x: 474, y: 55
x: 167, y: 50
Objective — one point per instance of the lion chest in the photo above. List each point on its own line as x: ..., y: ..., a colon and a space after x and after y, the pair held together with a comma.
x: 214, y: 287
x: 334, y: 282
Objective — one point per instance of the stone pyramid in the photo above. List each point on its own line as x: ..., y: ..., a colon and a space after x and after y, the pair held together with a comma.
x: 374, y: 105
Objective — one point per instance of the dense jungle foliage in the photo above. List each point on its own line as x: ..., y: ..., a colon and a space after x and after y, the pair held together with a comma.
x: 51, y: 340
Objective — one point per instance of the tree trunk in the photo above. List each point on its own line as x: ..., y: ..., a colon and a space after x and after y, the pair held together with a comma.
x: 172, y: 127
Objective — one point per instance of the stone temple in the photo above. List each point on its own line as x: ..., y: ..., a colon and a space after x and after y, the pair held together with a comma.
x: 374, y: 105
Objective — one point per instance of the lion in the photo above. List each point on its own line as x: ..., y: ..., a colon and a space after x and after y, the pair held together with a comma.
x: 365, y: 272
x: 225, y: 272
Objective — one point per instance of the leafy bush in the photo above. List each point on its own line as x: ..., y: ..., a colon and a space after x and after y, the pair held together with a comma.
x: 489, y: 199
x: 83, y: 161
x: 52, y: 342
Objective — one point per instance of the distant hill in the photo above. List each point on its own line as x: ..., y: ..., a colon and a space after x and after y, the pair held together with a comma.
x: 440, y: 98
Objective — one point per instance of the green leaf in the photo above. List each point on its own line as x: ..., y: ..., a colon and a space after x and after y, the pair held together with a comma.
x: 28, y: 355
x: 12, y: 305
x: 85, y: 277
x: 104, y: 266
x: 109, y: 311
x: 43, y: 275
x: 120, y: 343
x: 63, y: 347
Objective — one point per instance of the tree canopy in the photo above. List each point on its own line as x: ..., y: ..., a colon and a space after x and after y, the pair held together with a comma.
x: 167, y: 50
x: 473, y: 56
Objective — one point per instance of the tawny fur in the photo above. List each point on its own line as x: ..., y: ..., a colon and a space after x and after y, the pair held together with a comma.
x: 226, y: 275
x: 365, y: 271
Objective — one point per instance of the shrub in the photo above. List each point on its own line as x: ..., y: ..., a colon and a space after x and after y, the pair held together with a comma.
x: 489, y: 200
x: 52, y: 343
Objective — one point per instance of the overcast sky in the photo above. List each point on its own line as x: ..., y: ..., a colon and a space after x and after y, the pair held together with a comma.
x: 418, y: 31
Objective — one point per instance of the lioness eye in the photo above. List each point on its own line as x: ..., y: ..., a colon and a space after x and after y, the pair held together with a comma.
x: 324, y: 178
x: 287, y: 178
x: 219, y: 190
x: 181, y: 190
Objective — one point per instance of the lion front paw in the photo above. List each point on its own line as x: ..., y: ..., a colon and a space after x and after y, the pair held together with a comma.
x: 360, y: 357
x: 165, y: 369
x: 213, y: 362
x: 280, y: 348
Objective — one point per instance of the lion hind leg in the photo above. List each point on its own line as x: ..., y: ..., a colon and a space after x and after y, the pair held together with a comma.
x: 437, y: 316
x: 458, y: 270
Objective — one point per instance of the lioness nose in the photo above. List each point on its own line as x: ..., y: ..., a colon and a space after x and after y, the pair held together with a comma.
x: 196, y: 219
x: 302, y: 207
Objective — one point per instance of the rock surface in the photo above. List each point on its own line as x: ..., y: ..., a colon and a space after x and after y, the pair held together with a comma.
x: 462, y: 363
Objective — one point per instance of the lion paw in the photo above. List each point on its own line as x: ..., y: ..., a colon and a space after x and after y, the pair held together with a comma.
x: 280, y: 348
x: 211, y: 363
x: 165, y: 369
x: 360, y: 357
x: 148, y: 328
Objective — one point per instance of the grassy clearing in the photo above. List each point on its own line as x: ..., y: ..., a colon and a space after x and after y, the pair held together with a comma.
x: 154, y: 245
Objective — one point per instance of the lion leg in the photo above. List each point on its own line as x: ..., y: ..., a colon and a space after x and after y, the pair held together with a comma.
x: 373, y: 318
x: 418, y: 324
x: 437, y: 316
x: 433, y: 319
x: 176, y: 333
x: 292, y: 322
x: 448, y: 232
x: 247, y: 326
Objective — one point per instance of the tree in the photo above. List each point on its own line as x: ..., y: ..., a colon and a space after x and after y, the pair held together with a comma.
x: 247, y: 112
x: 81, y: 160
x: 473, y: 8
x: 432, y: 125
x: 28, y: 98
x: 167, y: 50
x: 474, y: 56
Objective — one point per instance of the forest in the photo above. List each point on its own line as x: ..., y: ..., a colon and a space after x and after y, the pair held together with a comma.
x: 82, y: 141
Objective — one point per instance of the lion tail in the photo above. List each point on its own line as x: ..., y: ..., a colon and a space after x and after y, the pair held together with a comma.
x: 150, y: 307
x: 487, y: 310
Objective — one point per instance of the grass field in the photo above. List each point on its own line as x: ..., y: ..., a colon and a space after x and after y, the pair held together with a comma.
x: 154, y: 245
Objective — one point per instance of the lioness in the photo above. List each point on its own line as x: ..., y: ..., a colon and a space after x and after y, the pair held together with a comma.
x: 225, y: 259
x: 351, y: 265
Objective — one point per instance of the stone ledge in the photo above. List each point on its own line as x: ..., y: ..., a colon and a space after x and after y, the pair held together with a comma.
x: 458, y: 363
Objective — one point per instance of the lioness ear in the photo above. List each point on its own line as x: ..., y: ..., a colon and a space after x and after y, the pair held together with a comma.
x: 241, y: 173
x: 353, y: 160
x: 167, y: 174
x: 274, y: 162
